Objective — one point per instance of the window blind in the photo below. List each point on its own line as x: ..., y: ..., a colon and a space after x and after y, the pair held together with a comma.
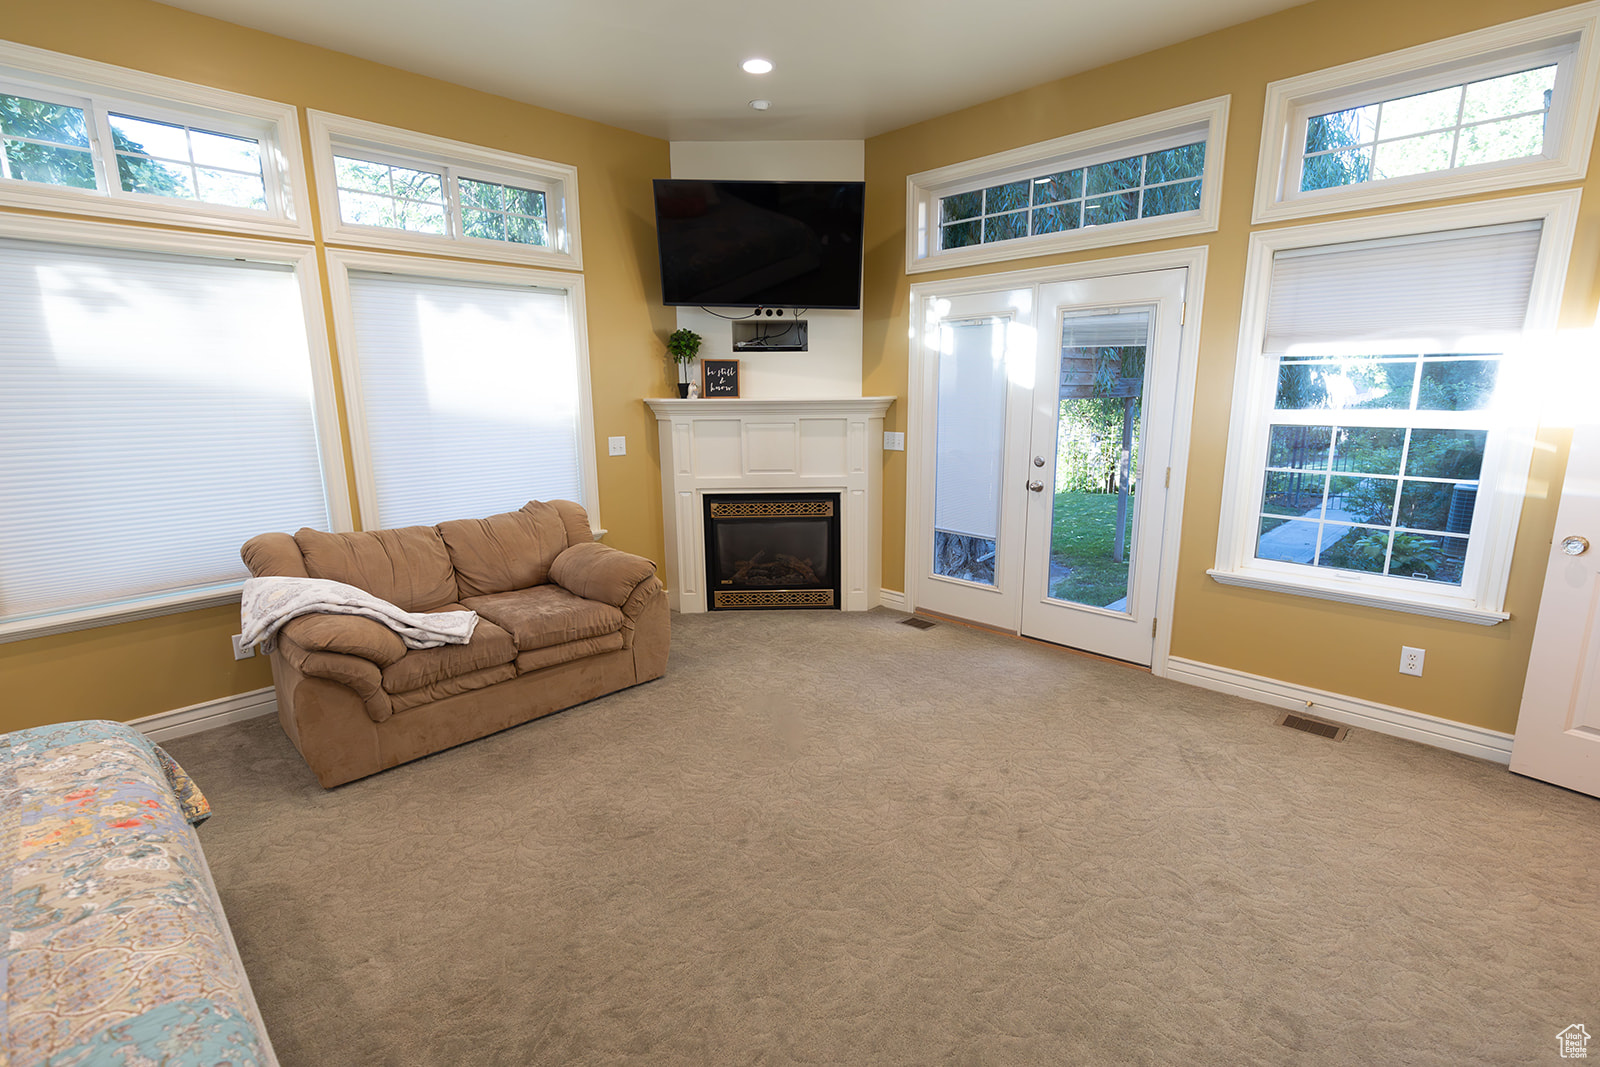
x: 1437, y: 287
x: 971, y: 428
x: 156, y: 412
x: 1112, y: 328
x: 469, y: 393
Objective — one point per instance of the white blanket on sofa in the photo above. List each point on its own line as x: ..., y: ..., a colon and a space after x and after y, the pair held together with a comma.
x: 268, y: 603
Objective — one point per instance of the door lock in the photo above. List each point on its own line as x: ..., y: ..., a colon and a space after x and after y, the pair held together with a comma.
x: 1038, y: 461
x: 1575, y: 546
x: 1036, y: 486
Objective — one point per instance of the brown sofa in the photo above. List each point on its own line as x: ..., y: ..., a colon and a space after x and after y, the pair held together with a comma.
x: 562, y: 619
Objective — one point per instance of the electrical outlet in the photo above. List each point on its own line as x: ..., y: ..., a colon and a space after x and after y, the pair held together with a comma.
x: 1411, y: 660
x: 242, y: 651
x: 619, y: 445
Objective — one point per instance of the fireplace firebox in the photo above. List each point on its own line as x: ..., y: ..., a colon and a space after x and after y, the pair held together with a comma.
x: 772, y: 550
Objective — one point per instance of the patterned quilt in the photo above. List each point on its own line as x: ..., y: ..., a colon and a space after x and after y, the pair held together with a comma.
x: 118, y: 951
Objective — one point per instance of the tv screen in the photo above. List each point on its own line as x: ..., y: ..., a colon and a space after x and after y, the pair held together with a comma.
x: 760, y: 244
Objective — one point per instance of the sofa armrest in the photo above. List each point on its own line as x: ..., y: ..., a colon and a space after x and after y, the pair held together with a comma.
x: 351, y: 635
x: 599, y: 572
x: 353, y: 672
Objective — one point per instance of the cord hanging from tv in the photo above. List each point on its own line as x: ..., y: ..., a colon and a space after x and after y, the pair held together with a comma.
x: 760, y: 244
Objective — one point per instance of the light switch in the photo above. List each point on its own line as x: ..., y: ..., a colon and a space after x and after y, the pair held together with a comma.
x: 894, y: 442
x: 619, y: 446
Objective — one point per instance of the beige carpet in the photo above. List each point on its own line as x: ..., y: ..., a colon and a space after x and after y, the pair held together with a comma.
x: 836, y: 839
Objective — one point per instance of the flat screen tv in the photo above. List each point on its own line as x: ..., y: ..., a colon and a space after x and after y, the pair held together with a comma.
x: 760, y: 244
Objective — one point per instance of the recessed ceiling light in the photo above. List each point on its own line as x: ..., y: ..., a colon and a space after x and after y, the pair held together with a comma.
x: 756, y: 66
x: 760, y: 105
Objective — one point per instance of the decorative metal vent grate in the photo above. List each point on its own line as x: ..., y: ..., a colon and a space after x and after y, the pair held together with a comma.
x: 1331, y: 730
x: 774, y: 598
x: 772, y: 509
x: 921, y: 624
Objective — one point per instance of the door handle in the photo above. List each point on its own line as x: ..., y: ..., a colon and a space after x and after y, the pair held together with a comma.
x: 1036, y: 486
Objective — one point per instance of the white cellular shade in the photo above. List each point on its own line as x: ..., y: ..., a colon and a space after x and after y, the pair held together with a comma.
x: 469, y: 393
x: 155, y: 413
x: 971, y: 427
x: 1432, y: 289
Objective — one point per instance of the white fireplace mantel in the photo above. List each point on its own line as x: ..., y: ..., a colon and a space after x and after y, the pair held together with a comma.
x: 749, y: 446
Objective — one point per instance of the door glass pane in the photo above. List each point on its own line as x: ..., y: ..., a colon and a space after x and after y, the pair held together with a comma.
x: 969, y: 447
x: 1094, y: 521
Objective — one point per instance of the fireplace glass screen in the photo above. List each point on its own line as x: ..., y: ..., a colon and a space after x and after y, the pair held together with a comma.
x: 772, y: 550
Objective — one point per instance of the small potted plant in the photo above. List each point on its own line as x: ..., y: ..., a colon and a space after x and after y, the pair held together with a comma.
x: 683, y: 346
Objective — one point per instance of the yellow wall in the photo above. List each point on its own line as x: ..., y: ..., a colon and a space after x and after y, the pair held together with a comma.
x: 1474, y: 674
x: 137, y: 669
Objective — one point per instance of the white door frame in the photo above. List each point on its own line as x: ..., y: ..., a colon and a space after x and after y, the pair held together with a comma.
x: 1194, y: 259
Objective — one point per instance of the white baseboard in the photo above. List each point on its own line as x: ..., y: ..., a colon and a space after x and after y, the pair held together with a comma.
x: 891, y: 598
x: 166, y: 725
x: 1351, y: 711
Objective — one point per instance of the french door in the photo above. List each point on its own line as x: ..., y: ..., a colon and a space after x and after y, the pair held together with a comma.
x: 1047, y: 432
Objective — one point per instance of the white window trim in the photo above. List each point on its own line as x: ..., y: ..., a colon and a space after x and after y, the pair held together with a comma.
x: 1482, y: 53
x: 1252, y: 400
x: 341, y: 263
x: 277, y: 126
x: 303, y: 260
x: 1207, y: 120
x: 558, y: 181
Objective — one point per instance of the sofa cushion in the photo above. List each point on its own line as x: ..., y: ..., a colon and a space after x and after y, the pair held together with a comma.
x: 540, y: 658
x: 452, y: 687
x: 546, y: 615
x: 490, y: 646
x: 408, y: 567
x: 512, y: 550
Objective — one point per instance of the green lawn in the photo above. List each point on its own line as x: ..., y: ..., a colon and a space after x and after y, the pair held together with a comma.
x: 1081, y: 538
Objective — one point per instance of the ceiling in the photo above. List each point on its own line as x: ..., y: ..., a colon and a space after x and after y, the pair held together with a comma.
x: 844, y: 69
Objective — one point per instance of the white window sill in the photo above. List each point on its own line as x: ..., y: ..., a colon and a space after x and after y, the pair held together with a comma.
x: 1454, y: 608
x: 112, y: 614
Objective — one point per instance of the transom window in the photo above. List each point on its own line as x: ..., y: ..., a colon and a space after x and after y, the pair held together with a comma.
x: 80, y: 136
x: 1509, y: 106
x: 1154, y: 176
x: 59, y: 144
x: 374, y: 193
x: 393, y: 188
x: 1487, y: 121
x: 168, y: 159
x: 1121, y: 190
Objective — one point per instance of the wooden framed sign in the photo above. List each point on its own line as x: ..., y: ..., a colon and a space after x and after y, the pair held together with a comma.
x: 720, y: 377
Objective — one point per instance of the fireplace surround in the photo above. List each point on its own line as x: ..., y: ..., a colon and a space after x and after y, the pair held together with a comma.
x: 746, y: 446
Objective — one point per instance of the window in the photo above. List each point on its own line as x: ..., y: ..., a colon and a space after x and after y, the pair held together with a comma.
x: 85, y: 137
x: 1138, y: 187
x: 1510, y: 106
x: 467, y: 387
x: 1157, y: 176
x: 165, y: 400
x: 391, y: 188
x: 1376, y: 460
x: 1493, y: 120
